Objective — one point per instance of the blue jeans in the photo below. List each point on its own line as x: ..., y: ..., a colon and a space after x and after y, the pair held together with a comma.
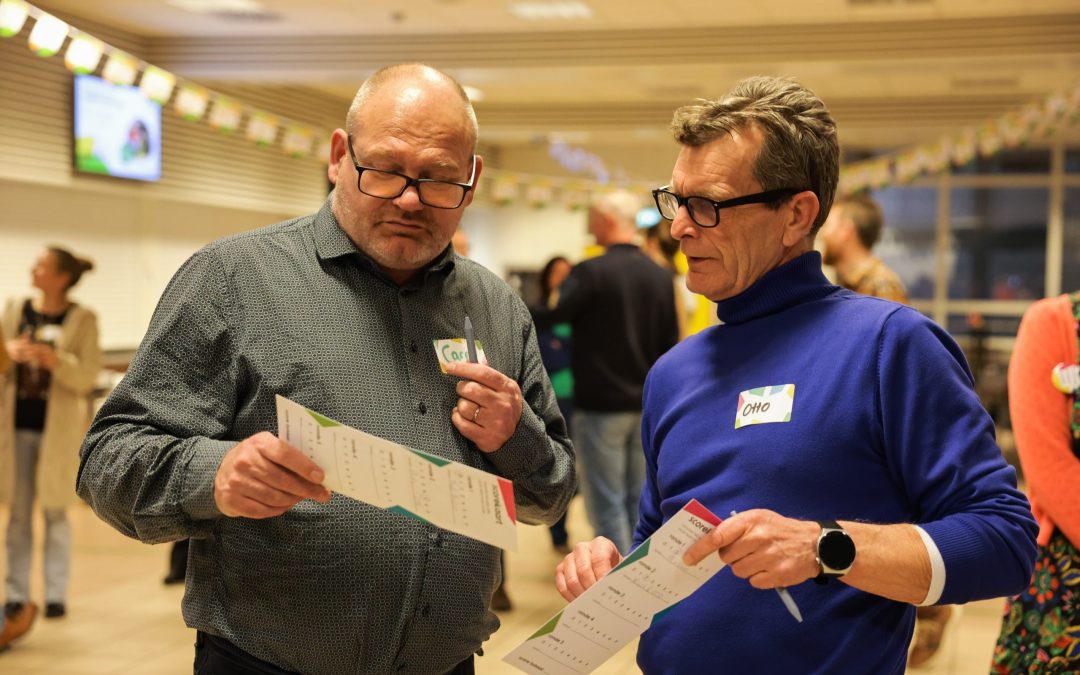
x: 612, y: 464
x: 19, y: 536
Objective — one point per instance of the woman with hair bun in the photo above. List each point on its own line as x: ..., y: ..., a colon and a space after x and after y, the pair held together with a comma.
x: 53, y: 344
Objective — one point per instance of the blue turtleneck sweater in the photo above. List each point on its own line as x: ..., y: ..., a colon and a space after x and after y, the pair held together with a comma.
x: 885, y: 427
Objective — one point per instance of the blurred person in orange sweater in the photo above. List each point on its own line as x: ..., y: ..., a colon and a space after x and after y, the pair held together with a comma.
x: 1040, y: 631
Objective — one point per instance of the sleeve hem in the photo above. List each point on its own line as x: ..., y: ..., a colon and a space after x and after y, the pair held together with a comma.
x: 937, y: 569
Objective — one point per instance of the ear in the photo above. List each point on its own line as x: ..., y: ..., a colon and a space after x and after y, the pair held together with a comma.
x: 804, y: 209
x: 476, y: 181
x: 339, y: 148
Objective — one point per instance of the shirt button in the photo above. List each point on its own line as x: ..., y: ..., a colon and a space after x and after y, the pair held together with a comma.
x: 423, y: 408
x: 412, y: 347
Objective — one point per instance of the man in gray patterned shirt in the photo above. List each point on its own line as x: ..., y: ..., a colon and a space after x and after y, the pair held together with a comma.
x: 337, y: 311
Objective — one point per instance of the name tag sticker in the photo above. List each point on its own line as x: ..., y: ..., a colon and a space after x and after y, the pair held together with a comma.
x: 454, y: 350
x: 765, y: 405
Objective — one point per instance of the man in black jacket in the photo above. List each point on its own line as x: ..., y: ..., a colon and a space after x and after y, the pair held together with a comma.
x: 621, y: 306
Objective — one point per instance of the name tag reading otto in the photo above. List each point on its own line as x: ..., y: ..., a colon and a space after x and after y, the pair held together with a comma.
x: 765, y: 405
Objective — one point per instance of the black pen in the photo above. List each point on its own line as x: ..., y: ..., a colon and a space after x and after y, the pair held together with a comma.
x: 470, y: 340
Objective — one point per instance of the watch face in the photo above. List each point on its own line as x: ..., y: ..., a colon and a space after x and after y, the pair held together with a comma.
x: 836, y: 550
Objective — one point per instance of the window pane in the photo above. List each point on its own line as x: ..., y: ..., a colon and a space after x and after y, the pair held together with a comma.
x: 1072, y: 160
x: 1070, y: 259
x: 1024, y: 160
x: 907, y: 242
x: 998, y: 247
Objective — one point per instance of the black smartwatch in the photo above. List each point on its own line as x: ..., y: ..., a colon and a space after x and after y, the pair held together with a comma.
x: 835, y: 551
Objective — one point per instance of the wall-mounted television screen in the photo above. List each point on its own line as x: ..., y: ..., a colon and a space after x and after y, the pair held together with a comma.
x: 117, y: 130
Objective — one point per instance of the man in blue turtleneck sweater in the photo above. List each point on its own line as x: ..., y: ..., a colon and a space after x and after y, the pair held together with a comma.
x: 843, y: 429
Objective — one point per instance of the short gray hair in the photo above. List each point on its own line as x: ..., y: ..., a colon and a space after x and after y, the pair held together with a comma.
x: 401, y: 71
x: 622, y: 205
x: 801, y: 148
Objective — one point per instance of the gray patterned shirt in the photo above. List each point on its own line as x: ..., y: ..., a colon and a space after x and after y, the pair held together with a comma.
x: 295, y: 309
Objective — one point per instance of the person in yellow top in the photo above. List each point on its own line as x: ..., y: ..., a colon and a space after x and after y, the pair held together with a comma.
x: 53, y: 344
x: 853, y: 227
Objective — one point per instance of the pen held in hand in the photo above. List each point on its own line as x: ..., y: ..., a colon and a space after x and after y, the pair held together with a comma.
x: 785, y: 597
x: 470, y: 340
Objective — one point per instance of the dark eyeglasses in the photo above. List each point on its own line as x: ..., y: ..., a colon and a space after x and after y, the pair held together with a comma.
x: 441, y: 194
x: 705, y: 212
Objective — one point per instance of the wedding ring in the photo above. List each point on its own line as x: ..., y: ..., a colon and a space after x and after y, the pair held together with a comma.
x: 475, y: 414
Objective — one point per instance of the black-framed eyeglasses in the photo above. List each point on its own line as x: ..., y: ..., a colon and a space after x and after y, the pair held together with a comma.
x: 705, y: 212
x: 383, y: 184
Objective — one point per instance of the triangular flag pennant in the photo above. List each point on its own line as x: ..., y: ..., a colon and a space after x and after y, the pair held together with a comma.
x: 157, y: 84
x: 262, y: 128
x: 13, y: 15
x: 297, y: 140
x: 83, y: 54
x: 225, y: 115
x: 48, y: 35
x: 191, y: 102
x: 120, y: 69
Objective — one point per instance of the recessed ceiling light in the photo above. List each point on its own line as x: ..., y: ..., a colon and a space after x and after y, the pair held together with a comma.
x: 209, y: 6
x: 535, y: 11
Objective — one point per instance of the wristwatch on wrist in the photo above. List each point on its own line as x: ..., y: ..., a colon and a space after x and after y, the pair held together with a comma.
x: 835, y: 551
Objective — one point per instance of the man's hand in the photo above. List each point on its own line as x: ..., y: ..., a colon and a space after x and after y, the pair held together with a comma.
x: 764, y: 547
x: 584, y: 566
x: 264, y: 476
x: 489, y: 409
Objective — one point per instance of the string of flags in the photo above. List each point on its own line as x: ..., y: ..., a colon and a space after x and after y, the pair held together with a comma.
x: 195, y: 103
x: 1038, y: 120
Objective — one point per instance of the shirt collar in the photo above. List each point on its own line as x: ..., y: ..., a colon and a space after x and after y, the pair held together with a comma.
x: 795, y: 282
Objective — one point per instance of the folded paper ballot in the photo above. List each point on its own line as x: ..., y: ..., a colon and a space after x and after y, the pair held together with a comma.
x: 622, y: 605
x: 415, y: 484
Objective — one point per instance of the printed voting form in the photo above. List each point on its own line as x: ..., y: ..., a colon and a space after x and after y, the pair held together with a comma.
x: 447, y: 494
x: 609, y: 615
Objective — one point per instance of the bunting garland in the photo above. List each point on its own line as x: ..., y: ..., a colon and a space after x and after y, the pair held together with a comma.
x: 84, y: 54
x: 1012, y: 130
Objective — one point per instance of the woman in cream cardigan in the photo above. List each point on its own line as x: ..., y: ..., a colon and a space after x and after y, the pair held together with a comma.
x: 53, y: 344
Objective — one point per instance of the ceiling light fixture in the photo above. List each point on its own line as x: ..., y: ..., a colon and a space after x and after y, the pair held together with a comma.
x: 213, y: 6
x: 539, y: 11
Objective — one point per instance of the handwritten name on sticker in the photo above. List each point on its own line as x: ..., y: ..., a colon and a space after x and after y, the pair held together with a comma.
x: 455, y: 350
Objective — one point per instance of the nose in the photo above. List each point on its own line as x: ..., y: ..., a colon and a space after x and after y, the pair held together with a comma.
x: 682, y: 225
x: 409, y: 200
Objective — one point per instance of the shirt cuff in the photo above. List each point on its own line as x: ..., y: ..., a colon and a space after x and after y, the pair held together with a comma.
x: 937, y: 569
x: 197, y: 491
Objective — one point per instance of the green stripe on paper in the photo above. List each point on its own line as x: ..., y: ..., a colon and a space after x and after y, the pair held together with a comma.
x: 407, y: 513
x: 437, y: 461
x: 323, y: 421
x: 635, y: 555
x: 547, y: 627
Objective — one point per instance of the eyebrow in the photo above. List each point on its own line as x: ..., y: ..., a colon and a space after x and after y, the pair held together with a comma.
x: 380, y: 160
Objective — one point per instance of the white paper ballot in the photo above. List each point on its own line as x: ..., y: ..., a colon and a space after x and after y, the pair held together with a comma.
x: 448, y: 494
x: 608, y: 616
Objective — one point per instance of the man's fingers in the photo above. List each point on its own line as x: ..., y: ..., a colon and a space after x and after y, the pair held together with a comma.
x: 280, y: 478
x: 720, y: 536
x: 238, y: 505
x: 290, y: 457
x: 478, y: 372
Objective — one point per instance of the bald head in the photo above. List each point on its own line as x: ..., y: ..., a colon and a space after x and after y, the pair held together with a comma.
x: 412, y: 82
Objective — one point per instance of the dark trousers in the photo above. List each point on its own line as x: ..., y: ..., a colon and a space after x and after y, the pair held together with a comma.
x: 218, y: 656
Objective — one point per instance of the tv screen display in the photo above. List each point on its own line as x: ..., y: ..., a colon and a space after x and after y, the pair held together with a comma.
x: 117, y: 130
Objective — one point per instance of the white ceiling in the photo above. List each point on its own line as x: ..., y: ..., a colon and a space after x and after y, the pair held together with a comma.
x: 893, y: 71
